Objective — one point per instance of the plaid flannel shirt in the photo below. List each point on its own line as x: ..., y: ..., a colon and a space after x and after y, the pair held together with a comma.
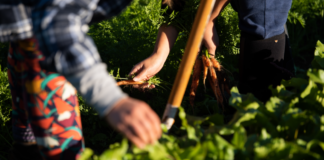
x: 60, y: 27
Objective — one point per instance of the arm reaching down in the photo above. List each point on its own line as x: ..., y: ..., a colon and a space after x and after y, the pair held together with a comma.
x: 146, y: 69
x: 210, y: 39
x: 167, y: 36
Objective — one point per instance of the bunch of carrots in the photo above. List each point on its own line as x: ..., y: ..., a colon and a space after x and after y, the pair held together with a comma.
x: 216, y: 75
x: 144, y: 84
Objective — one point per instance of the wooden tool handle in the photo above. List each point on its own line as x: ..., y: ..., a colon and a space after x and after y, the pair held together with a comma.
x: 188, y: 60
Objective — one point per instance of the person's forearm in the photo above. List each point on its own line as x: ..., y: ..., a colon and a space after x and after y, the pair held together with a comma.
x: 211, y: 39
x: 219, y: 6
x: 97, y: 87
x: 166, y: 37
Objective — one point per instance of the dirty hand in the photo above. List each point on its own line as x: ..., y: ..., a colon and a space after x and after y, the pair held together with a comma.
x: 136, y: 120
x: 148, y: 67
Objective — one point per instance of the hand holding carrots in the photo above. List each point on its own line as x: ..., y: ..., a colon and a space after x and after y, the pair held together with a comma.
x: 136, y: 120
x: 148, y: 67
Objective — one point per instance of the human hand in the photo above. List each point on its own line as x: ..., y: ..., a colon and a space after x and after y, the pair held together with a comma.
x: 136, y: 120
x: 148, y: 67
x: 210, y: 39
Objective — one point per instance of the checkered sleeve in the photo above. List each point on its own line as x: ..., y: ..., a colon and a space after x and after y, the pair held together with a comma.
x: 109, y: 8
x: 15, y: 23
x: 61, y: 27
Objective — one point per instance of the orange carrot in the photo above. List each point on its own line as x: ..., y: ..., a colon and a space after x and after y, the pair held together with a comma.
x: 212, y: 85
x: 216, y: 64
x: 192, y: 98
x: 195, y: 80
x: 129, y: 82
x: 213, y: 76
x: 206, y: 63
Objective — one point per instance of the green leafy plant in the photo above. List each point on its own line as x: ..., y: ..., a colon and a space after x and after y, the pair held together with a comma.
x: 289, y: 126
x: 5, y: 109
x: 305, y: 26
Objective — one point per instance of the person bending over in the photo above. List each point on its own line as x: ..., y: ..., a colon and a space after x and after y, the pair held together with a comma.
x: 50, y: 59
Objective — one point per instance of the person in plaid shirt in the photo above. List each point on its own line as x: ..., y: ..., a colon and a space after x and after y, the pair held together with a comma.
x: 50, y: 58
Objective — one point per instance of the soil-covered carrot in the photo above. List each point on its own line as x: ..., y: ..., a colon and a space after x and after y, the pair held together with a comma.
x: 129, y: 82
x: 216, y: 64
x: 206, y: 63
x: 195, y: 80
x: 212, y: 85
x: 216, y: 86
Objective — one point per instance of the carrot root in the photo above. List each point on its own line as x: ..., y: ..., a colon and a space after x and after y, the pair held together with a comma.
x: 207, y: 64
x: 212, y: 85
x: 195, y: 81
x: 216, y: 86
x: 129, y: 82
x: 216, y: 64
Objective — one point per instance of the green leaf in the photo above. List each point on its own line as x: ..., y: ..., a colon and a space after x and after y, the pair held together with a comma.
x: 192, y: 120
x: 223, y: 149
x: 216, y: 119
x: 319, y: 49
x: 301, y: 142
x: 157, y: 151
x: 115, y: 153
x: 282, y: 93
x: 295, y: 82
x: 207, y: 54
x: 318, y: 61
x: 164, y: 128
x: 86, y: 154
x: 226, y: 131
x: 276, y: 106
x: 264, y: 134
x: 239, y: 138
x: 191, y: 133
x: 316, y: 75
x: 313, y: 142
x: 247, y: 117
x: 291, y: 121
x: 196, y: 152
x: 308, y: 89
